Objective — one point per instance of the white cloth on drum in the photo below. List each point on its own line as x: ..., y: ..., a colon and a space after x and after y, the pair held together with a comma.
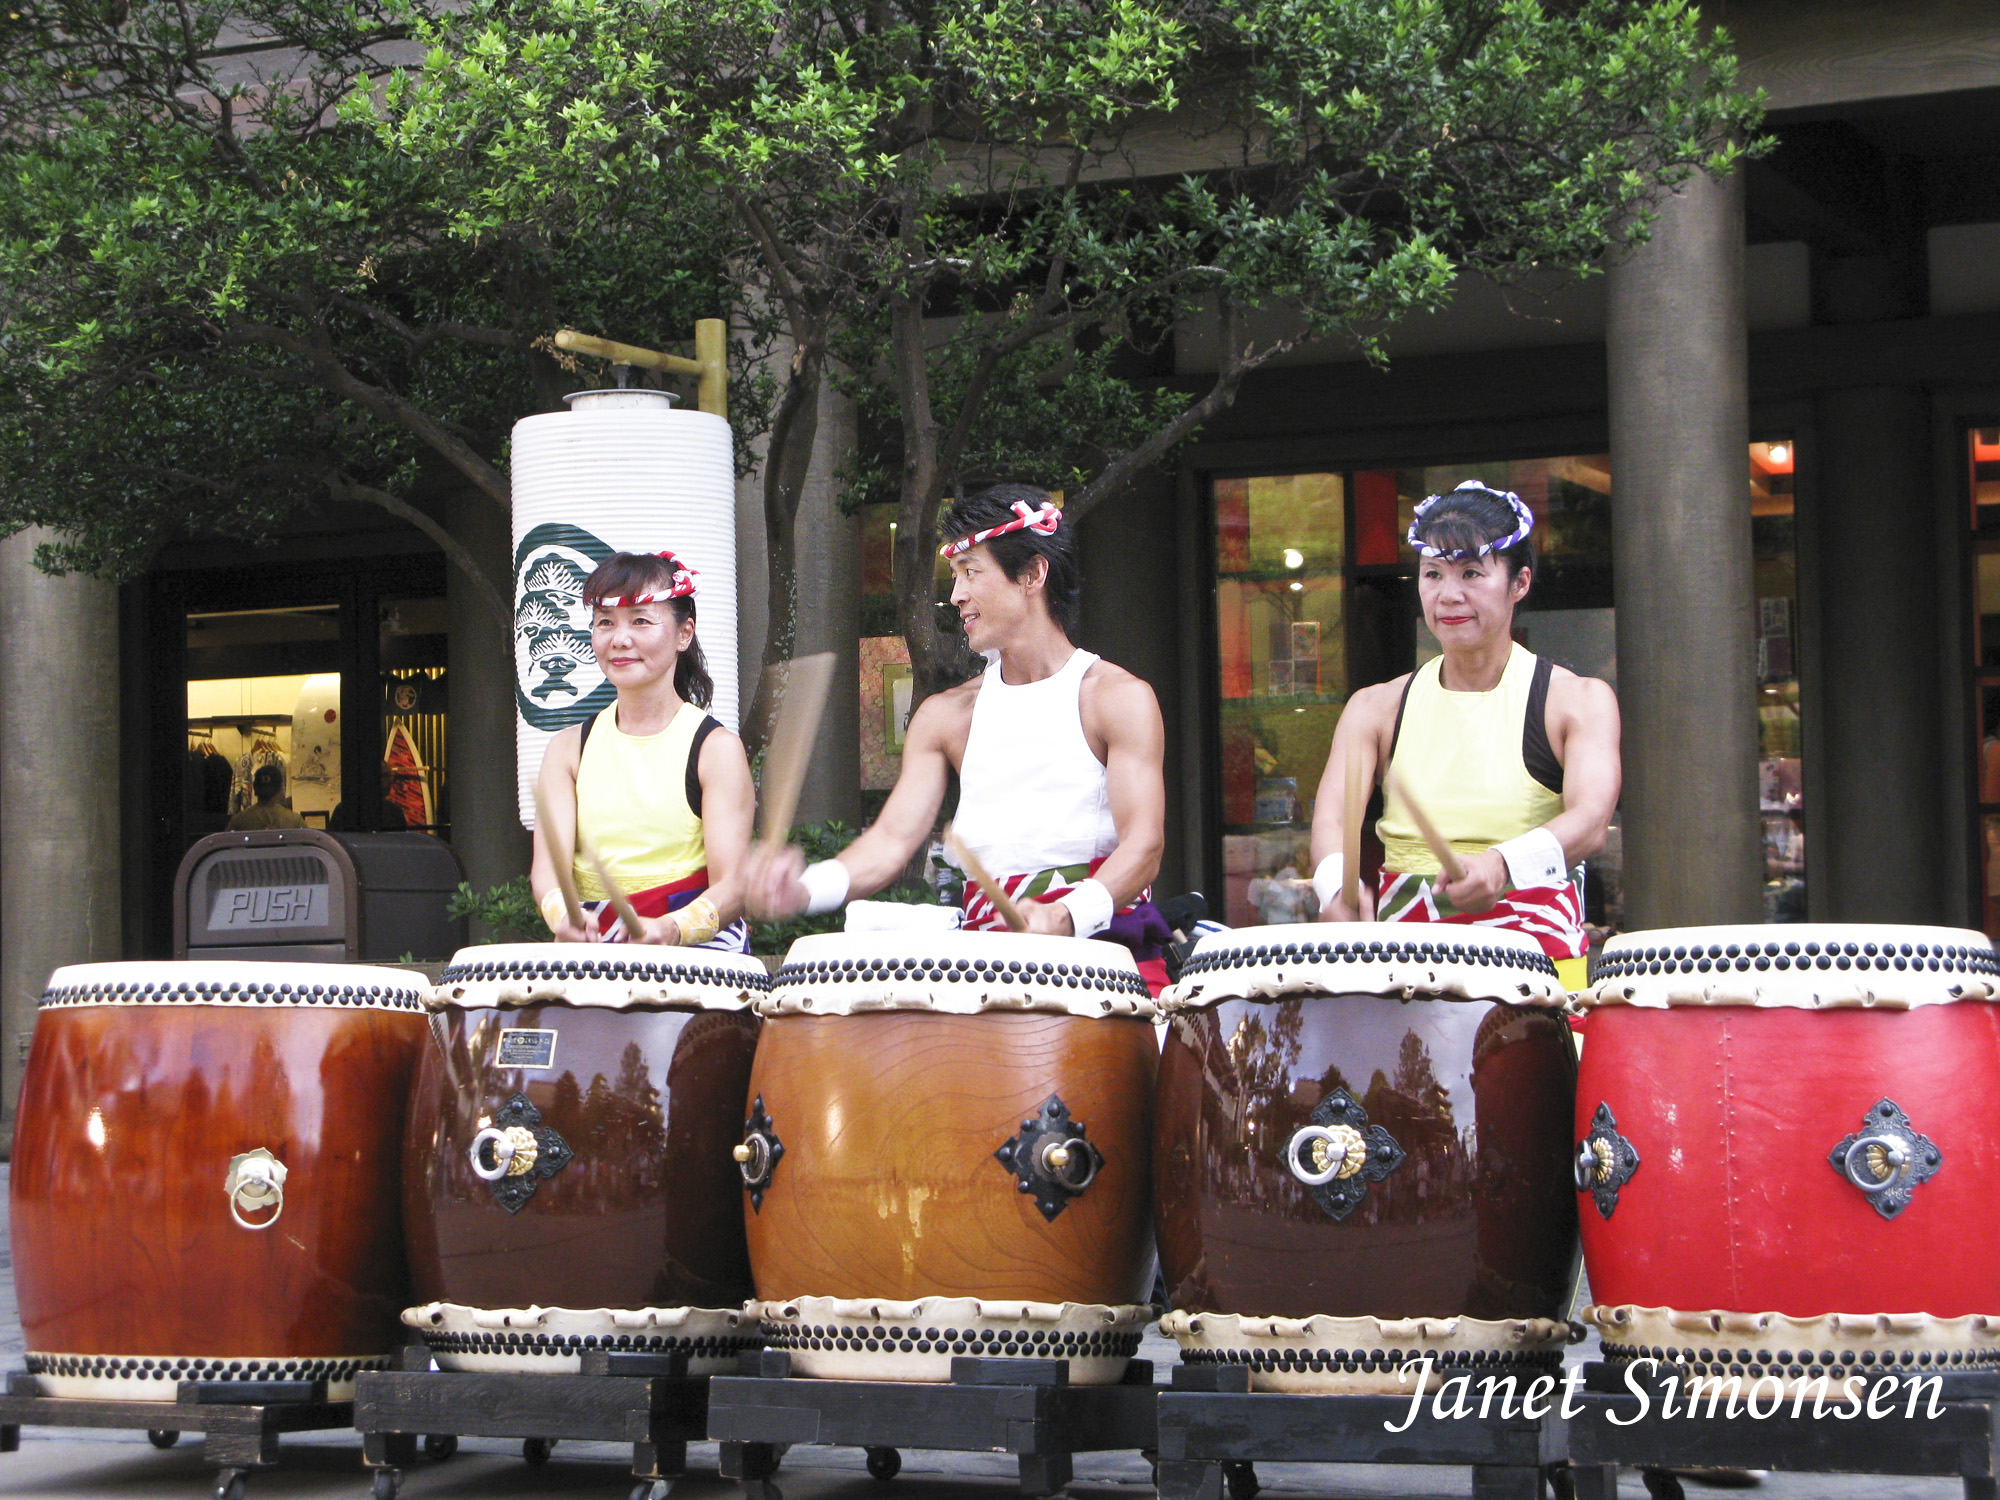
x: 901, y: 916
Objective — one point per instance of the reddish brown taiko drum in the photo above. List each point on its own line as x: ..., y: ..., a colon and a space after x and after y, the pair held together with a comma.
x: 1363, y: 1154
x: 950, y: 1134
x: 205, y: 1175
x: 568, y: 1179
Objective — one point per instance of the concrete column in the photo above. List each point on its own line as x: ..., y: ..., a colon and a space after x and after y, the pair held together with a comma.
x: 829, y: 605
x: 59, y: 810
x: 1879, y: 628
x: 1679, y: 406
x: 485, y: 818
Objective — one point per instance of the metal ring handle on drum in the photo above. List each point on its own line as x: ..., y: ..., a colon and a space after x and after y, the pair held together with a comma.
x: 503, y: 1154
x: 1587, y: 1167
x: 1072, y: 1163
x: 754, y: 1159
x: 256, y: 1181
x: 1308, y: 1135
x: 1897, y: 1152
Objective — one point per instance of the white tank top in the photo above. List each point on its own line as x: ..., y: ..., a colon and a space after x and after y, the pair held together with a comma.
x: 1031, y: 795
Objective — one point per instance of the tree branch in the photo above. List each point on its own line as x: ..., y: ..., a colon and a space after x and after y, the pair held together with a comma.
x: 344, y: 488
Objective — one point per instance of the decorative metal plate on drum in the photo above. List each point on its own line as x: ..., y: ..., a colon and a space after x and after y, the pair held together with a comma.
x: 1605, y: 1161
x: 1340, y: 1153
x: 1887, y: 1159
x: 1051, y: 1158
x: 516, y: 1153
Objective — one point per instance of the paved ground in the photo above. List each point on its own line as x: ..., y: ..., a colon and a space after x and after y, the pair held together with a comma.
x: 67, y: 1464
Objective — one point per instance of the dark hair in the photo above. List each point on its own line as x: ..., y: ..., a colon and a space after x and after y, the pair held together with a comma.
x: 266, y: 782
x: 1017, y: 550
x: 624, y: 574
x: 1465, y: 519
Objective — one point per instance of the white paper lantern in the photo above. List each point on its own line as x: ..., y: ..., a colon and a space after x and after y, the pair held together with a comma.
x: 620, y: 471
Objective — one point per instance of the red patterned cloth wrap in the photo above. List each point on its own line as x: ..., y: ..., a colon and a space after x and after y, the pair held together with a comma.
x: 1550, y: 914
x: 1139, y: 926
x: 600, y: 918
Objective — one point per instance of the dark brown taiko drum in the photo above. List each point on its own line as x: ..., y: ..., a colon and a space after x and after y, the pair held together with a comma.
x: 949, y: 1135
x: 205, y: 1172
x: 1363, y: 1154
x: 568, y: 1180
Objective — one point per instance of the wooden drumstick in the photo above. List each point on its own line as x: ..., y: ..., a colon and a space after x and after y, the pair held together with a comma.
x: 801, y: 694
x: 976, y: 873
x: 1447, y: 857
x: 560, y: 856
x: 634, y: 928
x: 1352, y: 813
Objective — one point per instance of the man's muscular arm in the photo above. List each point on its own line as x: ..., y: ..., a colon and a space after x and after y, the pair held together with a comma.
x: 772, y: 884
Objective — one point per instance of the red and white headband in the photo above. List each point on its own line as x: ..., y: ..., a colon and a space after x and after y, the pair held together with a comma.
x: 1042, y: 521
x: 681, y: 585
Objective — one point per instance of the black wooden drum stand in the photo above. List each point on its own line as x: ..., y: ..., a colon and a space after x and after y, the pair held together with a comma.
x: 1958, y: 1442
x: 647, y: 1400
x: 1026, y: 1407
x: 1214, y: 1430
x: 240, y: 1420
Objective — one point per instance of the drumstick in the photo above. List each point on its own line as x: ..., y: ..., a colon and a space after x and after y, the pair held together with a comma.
x: 1454, y: 869
x: 1350, y: 833
x: 634, y: 928
x: 801, y: 694
x: 560, y: 857
x: 976, y: 873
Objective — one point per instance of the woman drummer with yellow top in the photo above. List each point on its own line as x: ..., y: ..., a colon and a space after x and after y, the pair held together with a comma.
x: 1513, y: 759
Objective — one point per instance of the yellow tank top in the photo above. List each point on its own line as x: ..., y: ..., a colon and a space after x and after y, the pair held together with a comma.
x: 1463, y: 757
x: 631, y: 801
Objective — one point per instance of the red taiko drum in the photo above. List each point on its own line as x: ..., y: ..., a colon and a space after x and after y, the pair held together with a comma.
x: 948, y: 1153
x: 1787, y: 1149
x: 1360, y: 1158
x: 205, y: 1169
x: 567, y: 1181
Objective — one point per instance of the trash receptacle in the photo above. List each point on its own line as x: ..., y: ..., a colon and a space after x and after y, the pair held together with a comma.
x: 298, y: 893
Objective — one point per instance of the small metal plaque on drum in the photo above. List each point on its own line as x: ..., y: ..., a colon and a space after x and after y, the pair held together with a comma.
x: 521, y: 1048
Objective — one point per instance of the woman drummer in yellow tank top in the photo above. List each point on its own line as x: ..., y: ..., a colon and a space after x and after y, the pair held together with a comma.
x: 660, y: 789
x: 1514, y: 759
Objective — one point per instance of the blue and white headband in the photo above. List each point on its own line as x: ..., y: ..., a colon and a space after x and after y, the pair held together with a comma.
x: 1513, y: 538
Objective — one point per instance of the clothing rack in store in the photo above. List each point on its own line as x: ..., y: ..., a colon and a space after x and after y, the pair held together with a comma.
x: 243, y: 721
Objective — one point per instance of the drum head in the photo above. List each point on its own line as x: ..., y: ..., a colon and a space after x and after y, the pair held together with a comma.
x: 230, y: 982
x: 616, y: 976
x: 1406, y: 960
x: 1808, y: 966
x: 960, y: 973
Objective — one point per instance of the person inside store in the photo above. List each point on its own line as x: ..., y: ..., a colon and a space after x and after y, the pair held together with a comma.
x: 1513, y: 759
x: 1059, y: 754
x: 267, y: 785
x: 653, y: 784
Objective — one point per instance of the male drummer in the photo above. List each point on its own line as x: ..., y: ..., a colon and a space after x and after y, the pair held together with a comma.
x: 1514, y: 760
x: 1059, y: 754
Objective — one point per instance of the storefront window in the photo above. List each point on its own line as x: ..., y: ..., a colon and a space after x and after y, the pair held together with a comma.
x: 412, y: 641
x: 1983, y: 474
x: 1316, y: 597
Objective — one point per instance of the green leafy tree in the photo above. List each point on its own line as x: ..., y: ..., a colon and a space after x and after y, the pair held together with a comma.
x: 220, y: 305
x: 993, y: 213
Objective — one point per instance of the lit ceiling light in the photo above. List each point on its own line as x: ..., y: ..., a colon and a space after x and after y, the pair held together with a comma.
x: 1781, y: 453
x: 1294, y: 558
x: 1297, y: 587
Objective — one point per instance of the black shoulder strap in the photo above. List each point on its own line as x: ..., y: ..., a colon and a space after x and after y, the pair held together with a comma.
x: 708, y: 725
x: 1396, y: 734
x: 1536, y: 752
x: 585, y: 738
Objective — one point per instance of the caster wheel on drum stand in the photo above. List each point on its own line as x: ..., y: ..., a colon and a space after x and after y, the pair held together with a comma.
x: 650, y: 1489
x: 884, y: 1463
x: 231, y: 1484
x: 537, y: 1450
x: 1241, y: 1478
x: 440, y: 1445
x: 1562, y: 1482
x: 385, y: 1484
x: 162, y: 1437
x: 1663, y: 1486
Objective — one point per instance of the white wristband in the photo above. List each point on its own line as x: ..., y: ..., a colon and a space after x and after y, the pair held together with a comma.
x: 826, y: 886
x: 1328, y: 878
x: 1534, y: 859
x: 1090, y: 907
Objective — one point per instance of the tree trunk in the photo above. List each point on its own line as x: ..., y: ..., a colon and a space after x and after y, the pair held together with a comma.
x: 794, y: 429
